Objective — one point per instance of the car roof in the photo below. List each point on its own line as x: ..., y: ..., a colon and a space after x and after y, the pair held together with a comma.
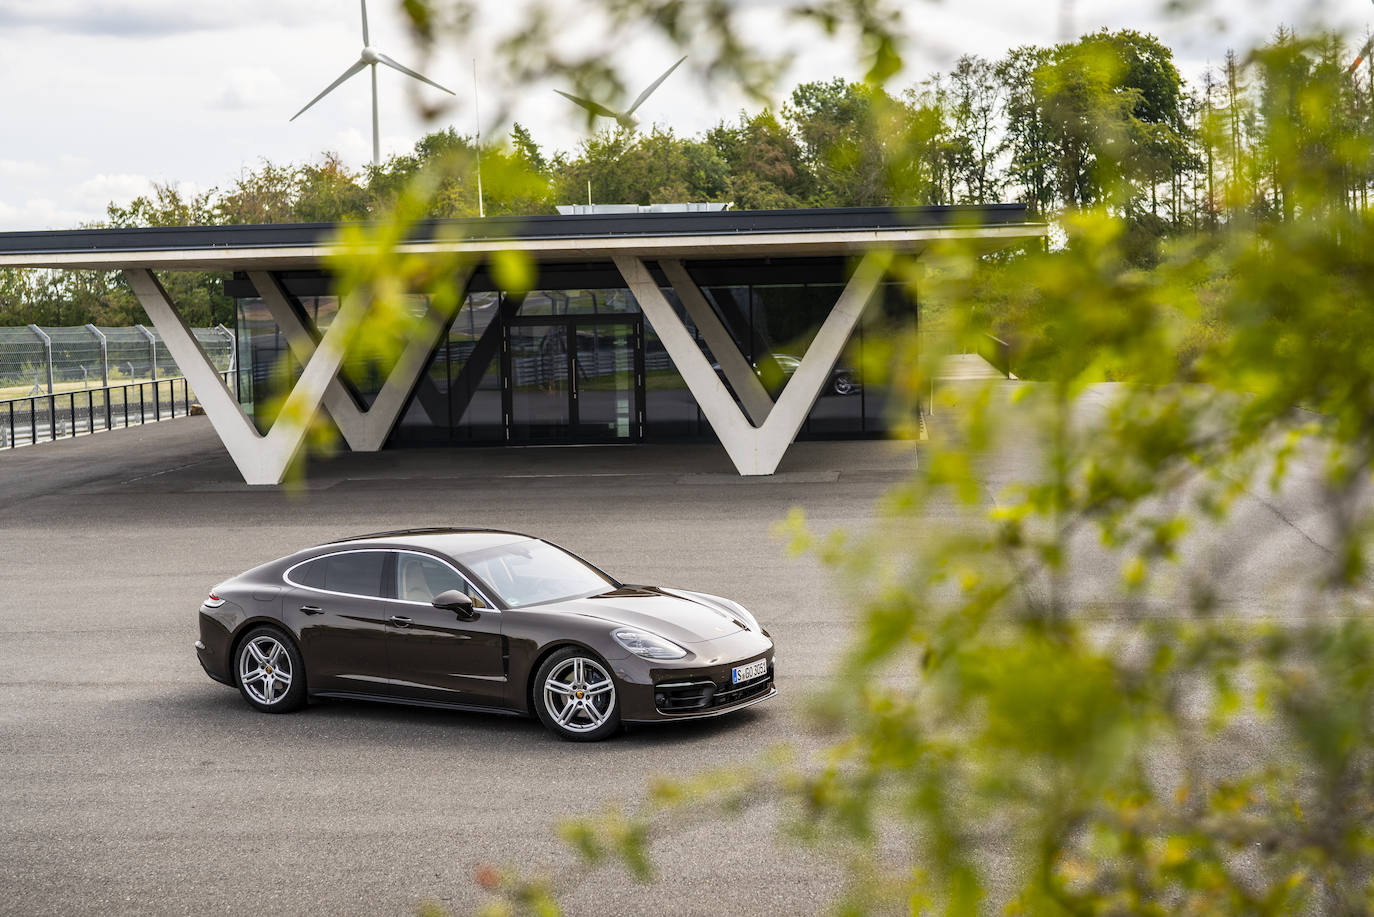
x: 453, y: 542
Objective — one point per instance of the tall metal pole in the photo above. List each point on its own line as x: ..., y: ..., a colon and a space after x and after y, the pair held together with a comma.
x: 233, y: 355
x: 477, y: 120
x: 152, y: 348
x: 104, y: 354
x: 47, y: 350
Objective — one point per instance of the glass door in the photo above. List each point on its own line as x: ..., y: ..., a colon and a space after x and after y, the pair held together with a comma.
x: 538, y: 374
x: 605, y: 381
x: 574, y: 379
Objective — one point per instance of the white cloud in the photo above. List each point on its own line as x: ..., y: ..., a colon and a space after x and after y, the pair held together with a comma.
x: 194, y: 92
x: 38, y: 213
x: 14, y: 168
x: 247, y: 87
x: 98, y: 190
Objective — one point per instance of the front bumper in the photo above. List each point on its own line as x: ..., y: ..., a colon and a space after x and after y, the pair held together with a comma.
x: 696, y: 688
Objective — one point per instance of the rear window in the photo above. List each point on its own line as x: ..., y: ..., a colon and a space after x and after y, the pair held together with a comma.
x: 354, y: 573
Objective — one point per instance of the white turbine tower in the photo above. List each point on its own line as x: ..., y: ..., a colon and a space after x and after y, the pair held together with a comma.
x: 370, y: 57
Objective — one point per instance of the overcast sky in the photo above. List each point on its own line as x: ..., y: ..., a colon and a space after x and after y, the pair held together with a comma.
x: 105, y: 97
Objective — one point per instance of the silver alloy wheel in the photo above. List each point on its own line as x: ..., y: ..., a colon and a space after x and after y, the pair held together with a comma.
x: 844, y: 385
x: 265, y: 669
x: 579, y: 695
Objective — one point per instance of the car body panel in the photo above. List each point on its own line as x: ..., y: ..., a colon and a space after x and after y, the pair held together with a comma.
x: 344, y: 644
x: 440, y: 657
x: 352, y: 648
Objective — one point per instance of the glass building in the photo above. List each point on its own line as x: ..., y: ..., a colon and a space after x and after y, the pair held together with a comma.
x: 612, y: 343
x: 576, y: 361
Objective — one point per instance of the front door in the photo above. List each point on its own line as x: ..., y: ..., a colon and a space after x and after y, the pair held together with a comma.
x: 576, y: 378
x: 434, y: 654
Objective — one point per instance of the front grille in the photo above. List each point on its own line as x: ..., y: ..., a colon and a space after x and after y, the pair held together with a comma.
x: 698, y: 694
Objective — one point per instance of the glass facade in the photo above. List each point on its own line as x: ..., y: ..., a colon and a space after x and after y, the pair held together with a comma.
x: 576, y: 361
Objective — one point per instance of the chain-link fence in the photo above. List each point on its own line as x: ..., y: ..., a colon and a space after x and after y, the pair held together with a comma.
x: 42, y: 361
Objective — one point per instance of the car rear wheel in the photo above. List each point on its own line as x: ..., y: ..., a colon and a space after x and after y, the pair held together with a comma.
x: 844, y: 384
x: 271, y: 675
x: 575, y: 696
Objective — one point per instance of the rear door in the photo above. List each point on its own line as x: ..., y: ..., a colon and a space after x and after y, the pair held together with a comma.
x: 434, y: 654
x: 336, y: 604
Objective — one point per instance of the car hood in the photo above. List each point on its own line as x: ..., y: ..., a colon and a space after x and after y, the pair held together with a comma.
x: 683, y: 617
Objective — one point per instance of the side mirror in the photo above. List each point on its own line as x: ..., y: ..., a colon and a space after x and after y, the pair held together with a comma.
x: 456, y: 601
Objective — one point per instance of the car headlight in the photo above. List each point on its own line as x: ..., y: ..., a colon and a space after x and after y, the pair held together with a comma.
x: 650, y: 646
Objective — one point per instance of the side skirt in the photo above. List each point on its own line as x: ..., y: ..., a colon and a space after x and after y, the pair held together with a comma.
x: 407, y: 702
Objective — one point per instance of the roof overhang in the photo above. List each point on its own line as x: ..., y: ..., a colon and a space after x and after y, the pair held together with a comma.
x: 745, y: 234
x: 807, y: 244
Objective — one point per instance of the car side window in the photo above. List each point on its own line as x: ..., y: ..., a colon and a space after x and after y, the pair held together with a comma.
x: 310, y: 574
x: 420, y: 579
x: 352, y: 573
x: 355, y: 573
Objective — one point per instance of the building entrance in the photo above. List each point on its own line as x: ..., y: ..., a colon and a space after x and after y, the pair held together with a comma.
x: 574, y: 378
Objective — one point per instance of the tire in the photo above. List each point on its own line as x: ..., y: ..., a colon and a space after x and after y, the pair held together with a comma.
x: 258, y: 671
x: 843, y: 384
x: 575, y: 696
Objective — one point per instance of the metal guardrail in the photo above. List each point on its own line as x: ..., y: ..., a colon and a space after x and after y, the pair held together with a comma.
x: 45, y: 418
x: 997, y: 352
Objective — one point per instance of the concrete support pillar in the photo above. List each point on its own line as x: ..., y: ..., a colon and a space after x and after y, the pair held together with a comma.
x: 260, y: 459
x: 733, y: 364
x: 755, y: 450
x: 364, y: 431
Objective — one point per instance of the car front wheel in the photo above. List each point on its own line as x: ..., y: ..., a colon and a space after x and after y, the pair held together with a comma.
x: 575, y: 696
x: 271, y: 675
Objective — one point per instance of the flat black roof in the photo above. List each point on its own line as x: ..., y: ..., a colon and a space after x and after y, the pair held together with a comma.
x: 588, y: 226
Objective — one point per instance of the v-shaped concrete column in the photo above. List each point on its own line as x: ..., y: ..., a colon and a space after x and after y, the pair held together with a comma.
x: 363, y: 430
x: 260, y: 459
x: 754, y: 450
x: 733, y: 364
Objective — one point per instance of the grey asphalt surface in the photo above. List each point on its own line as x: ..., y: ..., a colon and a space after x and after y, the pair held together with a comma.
x: 132, y: 784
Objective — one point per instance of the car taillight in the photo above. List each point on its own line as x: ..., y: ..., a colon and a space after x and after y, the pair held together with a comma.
x: 213, y: 601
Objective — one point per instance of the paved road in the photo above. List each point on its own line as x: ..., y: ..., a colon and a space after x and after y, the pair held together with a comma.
x: 132, y: 784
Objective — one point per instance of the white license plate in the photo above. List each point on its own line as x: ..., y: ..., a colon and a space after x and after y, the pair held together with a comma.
x: 748, y: 671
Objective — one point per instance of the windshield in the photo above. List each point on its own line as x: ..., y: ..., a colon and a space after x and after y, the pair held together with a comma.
x: 532, y: 572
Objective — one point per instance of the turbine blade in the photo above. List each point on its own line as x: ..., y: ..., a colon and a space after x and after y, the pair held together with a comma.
x: 358, y: 65
x: 366, y: 40
x: 382, y: 58
x: 654, y: 85
x: 595, y: 108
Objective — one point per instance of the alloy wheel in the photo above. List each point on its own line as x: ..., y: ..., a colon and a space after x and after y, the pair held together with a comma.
x: 579, y: 695
x: 265, y: 669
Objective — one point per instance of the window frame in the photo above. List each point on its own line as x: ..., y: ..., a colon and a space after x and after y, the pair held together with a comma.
x: 470, y: 580
x: 286, y: 574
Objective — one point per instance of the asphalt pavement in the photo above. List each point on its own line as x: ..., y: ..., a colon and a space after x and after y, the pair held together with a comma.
x: 132, y: 784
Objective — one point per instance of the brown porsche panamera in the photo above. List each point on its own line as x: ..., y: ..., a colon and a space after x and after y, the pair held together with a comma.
x: 480, y: 620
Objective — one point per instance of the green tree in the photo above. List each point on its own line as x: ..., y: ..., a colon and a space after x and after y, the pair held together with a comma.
x: 766, y: 166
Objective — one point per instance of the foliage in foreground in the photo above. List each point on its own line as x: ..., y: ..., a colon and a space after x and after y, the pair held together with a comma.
x: 1105, y: 682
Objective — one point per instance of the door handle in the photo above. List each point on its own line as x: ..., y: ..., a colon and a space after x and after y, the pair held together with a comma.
x: 312, y: 609
x: 401, y: 621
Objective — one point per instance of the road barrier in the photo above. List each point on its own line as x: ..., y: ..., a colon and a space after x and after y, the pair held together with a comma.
x: 44, y: 418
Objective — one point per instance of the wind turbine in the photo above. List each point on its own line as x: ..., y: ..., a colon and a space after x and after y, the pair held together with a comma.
x: 626, y: 118
x: 370, y: 57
